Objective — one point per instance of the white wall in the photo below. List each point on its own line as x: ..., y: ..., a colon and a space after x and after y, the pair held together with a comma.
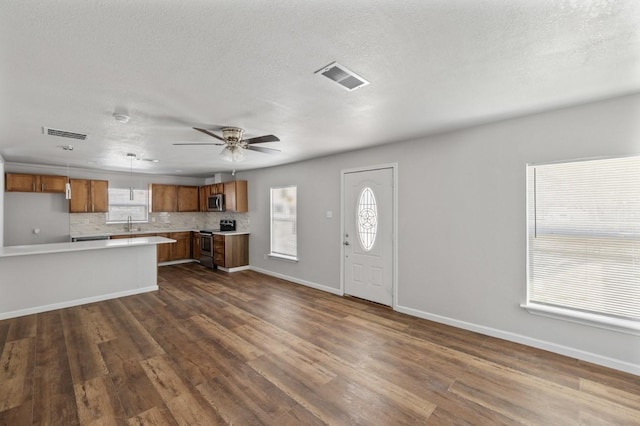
x: 1, y: 201
x: 35, y: 218
x: 462, y: 239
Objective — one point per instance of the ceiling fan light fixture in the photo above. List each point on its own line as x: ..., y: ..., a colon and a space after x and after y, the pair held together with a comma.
x: 238, y: 155
x: 233, y: 134
x: 226, y: 154
x: 232, y: 154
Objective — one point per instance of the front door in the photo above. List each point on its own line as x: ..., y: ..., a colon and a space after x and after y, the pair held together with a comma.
x: 368, y: 235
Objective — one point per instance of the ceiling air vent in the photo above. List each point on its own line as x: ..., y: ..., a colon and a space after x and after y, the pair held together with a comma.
x: 63, y: 133
x: 343, y: 76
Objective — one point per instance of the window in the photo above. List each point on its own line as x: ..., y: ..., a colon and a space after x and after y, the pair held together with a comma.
x: 284, y: 239
x: 584, y: 240
x: 121, y: 206
x: 367, y: 219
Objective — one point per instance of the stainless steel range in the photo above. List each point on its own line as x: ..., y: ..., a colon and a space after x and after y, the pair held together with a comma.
x: 206, y: 241
x: 206, y: 247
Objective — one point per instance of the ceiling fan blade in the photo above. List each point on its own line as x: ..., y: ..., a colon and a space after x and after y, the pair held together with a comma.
x: 209, y: 143
x: 262, y: 149
x: 206, y: 132
x: 261, y: 139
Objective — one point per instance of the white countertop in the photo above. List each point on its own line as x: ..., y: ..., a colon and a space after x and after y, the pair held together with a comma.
x: 108, y: 234
x: 157, y: 231
x: 230, y: 232
x: 81, y: 246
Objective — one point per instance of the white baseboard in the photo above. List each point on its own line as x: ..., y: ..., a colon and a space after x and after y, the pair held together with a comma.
x: 298, y: 281
x: 236, y: 269
x: 529, y: 341
x: 77, y: 302
x: 177, y: 262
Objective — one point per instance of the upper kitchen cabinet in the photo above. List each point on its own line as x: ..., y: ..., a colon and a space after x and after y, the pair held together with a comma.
x: 18, y: 182
x: 89, y: 196
x: 204, y: 193
x: 164, y: 198
x: 173, y: 198
x: 188, y: 199
x: 235, y: 196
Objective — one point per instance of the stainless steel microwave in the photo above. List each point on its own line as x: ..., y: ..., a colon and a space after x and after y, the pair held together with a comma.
x: 215, y: 203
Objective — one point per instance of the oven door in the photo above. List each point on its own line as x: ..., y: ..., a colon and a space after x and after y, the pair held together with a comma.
x: 206, y: 251
x: 206, y: 245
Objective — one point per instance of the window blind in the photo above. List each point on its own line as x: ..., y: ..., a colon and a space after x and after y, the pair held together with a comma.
x: 284, y: 239
x: 584, y: 236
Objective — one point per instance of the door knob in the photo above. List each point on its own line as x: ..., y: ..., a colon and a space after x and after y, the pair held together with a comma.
x: 346, y: 243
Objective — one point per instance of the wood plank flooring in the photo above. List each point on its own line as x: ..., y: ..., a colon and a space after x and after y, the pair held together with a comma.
x: 213, y: 348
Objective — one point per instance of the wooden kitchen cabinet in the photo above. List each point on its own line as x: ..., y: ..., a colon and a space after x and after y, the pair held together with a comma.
x: 231, y: 251
x: 195, y: 246
x: 55, y: 184
x: 188, y: 199
x: 217, y: 188
x: 163, y: 250
x: 164, y: 198
x: 120, y: 237
x: 235, y: 196
x: 20, y: 182
x: 203, y: 195
x: 173, y: 198
x: 181, y: 249
x: 89, y: 196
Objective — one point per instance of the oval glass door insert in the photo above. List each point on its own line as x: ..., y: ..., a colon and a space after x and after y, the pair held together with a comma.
x: 367, y: 219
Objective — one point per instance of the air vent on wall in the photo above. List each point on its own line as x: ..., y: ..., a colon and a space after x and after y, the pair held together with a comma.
x: 63, y: 133
x: 346, y: 78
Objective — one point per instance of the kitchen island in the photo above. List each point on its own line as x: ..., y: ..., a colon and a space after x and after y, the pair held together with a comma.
x: 43, y: 277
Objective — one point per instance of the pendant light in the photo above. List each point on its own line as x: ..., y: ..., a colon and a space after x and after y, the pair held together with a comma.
x: 67, y: 185
x: 131, y: 157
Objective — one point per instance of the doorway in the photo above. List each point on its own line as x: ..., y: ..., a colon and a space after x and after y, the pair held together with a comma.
x: 369, y: 233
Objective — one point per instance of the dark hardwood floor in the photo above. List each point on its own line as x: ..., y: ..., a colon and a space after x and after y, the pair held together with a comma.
x: 212, y: 348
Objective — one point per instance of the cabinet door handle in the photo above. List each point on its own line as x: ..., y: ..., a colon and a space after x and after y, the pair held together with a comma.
x: 34, y: 187
x: 85, y: 207
x: 42, y: 187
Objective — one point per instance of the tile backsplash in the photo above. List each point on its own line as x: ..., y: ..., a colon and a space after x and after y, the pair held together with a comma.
x: 95, y: 223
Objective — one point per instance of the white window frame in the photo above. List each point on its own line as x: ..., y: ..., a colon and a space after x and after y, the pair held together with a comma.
x: 272, y: 252
x: 609, y: 322
x: 125, y: 192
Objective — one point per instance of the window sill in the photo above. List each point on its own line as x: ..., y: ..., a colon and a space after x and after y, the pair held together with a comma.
x: 614, y: 324
x: 283, y: 257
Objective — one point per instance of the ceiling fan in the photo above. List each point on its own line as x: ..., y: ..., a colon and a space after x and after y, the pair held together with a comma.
x: 234, y: 144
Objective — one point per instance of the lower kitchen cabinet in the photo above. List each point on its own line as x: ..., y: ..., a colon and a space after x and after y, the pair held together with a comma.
x: 231, y: 251
x: 163, y: 250
x: 181, y: 249
x: 195, y: 246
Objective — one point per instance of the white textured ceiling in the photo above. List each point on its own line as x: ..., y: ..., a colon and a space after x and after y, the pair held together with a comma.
x: 433, y: 65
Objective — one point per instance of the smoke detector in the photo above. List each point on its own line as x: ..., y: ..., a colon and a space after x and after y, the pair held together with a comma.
x: 121, y: 118
x: 342, y: 75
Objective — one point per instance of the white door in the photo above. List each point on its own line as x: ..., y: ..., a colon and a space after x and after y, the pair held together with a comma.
x: 368, y: 235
